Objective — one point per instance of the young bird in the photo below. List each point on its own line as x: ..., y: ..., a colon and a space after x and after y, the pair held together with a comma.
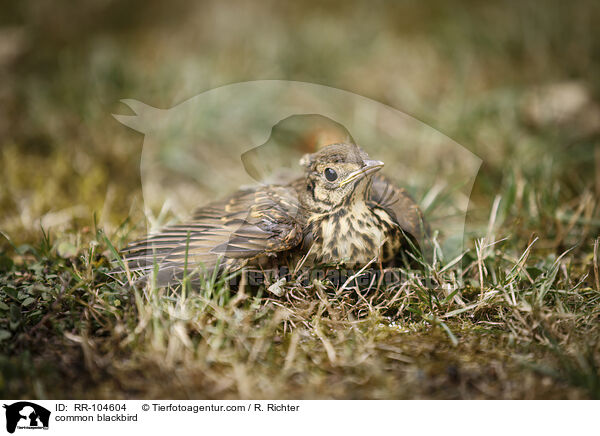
x: 339, y: 213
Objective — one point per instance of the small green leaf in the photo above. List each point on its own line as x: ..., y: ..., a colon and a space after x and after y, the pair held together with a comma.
x: 15, y: 313
x: 65, y: 249
x: 25, y: 248
x: 10, y: 291
x: 534, y: 272
x: 39, y: 288
x: 4, y: 334
x: 36, y: 268
x: 28, y: 301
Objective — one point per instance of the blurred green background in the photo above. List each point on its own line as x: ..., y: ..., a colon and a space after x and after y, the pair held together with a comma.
x: 514, y: 82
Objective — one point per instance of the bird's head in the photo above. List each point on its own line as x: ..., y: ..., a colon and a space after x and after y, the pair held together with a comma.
x: 337, y: 175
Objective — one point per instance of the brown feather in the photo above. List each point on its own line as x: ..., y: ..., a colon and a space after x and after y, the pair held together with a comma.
x: 338, y: 222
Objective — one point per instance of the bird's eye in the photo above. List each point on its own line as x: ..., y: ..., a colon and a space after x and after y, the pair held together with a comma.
x: 330, y: 174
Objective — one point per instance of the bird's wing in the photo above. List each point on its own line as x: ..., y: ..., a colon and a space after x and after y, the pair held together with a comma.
x: 400, y: 205
x: 226, y: 233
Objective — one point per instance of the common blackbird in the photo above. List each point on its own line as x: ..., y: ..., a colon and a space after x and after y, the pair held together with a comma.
x: 340, y: 212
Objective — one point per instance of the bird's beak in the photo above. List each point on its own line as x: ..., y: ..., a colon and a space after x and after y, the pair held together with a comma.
x: 370, y: 167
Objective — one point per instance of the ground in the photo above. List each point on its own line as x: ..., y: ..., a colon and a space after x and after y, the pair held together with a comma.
x: 516, y: 317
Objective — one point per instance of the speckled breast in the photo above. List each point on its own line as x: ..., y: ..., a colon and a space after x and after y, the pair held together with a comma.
x: 354, y: 235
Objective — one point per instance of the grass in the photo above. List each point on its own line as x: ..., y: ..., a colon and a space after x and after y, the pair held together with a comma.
x: 530, y: 332
x: 516, y: 316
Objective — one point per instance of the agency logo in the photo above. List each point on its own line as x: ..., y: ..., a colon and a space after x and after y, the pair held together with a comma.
x: 26, y: 415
